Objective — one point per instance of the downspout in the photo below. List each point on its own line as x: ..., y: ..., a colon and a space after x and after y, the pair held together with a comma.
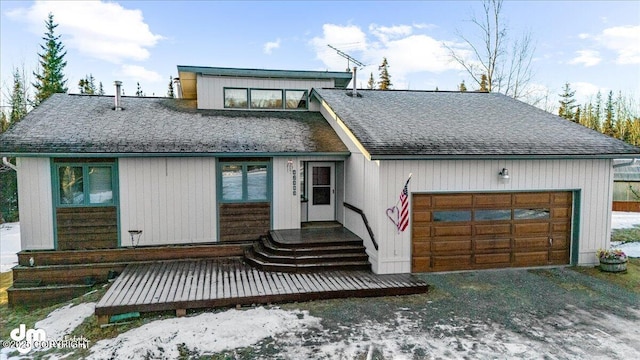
x: 6, y: 162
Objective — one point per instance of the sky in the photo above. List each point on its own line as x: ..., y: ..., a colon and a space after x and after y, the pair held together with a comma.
x: 593, y: 45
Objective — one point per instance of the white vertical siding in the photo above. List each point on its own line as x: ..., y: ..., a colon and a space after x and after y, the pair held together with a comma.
x: 362, y: 191
x: 172, y: 200
x: 592, y: 178
x: 35, y: 202
x: 211, y: 88
x: 285, y: 211
x: 287, y: 208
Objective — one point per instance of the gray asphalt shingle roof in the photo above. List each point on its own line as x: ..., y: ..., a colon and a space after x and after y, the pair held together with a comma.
x: 423, y: 124
x: 88, y: 124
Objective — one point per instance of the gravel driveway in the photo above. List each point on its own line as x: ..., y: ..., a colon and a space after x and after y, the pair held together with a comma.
x: 554, y: 313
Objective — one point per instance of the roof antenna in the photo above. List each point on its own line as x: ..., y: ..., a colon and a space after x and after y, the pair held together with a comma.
x: 355, y: 62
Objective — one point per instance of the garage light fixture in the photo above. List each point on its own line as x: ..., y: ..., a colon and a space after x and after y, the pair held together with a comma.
x: 504, y: 174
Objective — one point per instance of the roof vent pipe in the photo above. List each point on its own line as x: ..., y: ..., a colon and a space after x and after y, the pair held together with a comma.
x: 355, y: 91
x: 118, y: 104
x: 177, y: 87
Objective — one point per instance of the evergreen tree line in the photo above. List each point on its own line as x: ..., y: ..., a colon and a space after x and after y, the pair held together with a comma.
x: 617, y: 116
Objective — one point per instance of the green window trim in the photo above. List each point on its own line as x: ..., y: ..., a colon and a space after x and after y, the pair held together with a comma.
x: 82, y: 184
x: 244, y: 181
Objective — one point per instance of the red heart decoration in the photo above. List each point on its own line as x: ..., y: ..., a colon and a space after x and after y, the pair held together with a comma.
x: 394, y: 215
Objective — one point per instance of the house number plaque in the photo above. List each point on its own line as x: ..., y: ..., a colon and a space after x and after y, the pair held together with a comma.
x: 294, y: 183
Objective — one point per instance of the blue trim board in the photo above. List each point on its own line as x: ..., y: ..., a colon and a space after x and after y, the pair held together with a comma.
x: 575, y: 236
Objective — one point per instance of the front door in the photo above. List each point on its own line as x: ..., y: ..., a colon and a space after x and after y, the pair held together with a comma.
x: 322, y: 192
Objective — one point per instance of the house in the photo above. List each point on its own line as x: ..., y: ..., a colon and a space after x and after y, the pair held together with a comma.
x: 494, y: 182
x: 626, y: 185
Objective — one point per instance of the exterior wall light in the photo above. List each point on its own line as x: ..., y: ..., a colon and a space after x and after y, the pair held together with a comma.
x: 504, y: 174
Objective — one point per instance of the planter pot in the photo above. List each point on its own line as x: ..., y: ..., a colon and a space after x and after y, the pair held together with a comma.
x: 613, y: 265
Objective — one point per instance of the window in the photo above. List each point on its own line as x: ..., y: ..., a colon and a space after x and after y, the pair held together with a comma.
x: 266, y: 99
x: 295, y: 99
x: 244, y: 182
x: 275, y: 99
x: 235, y: 98
x: 88, y: 184
x: 452, y: 216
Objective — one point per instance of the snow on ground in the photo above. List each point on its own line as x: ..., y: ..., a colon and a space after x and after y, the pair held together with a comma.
x: 9, y: 245
x: 62, y: 321
x: 56, y: 325
x: 626, y: 220
x: 206, y: 333
x: 297, y: 335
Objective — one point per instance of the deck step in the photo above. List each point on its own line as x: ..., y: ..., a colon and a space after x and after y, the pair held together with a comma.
x: 78, y: 274
x: 44, y: 295
x: 310, y: 249
x: 271, y: 265
x: 307, y: 250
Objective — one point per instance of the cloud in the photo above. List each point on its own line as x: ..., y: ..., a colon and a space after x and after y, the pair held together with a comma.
x: 586, y: 91
x: 406, y: 51
x: 139, y: 73
x: 384, y: 33
x: 624, y: 41
x: 587, y: 58
x: 350, y: 39
x: 269, y: 46
x: 101, y: 30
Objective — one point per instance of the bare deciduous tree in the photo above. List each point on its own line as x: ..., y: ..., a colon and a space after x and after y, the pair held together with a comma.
x: 506, y: 65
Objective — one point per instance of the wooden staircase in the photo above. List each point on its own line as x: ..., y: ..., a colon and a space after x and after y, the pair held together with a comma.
x: 308, y: 250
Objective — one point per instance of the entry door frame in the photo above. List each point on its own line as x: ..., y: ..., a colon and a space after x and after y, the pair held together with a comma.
x: 318, y: 209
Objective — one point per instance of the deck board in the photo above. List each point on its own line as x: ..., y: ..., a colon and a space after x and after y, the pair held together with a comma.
x: 207, y: 283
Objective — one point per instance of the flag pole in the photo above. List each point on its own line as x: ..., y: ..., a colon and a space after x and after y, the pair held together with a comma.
x: 406, y: 182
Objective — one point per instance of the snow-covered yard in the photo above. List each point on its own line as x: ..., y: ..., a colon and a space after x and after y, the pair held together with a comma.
x: 9, y: 245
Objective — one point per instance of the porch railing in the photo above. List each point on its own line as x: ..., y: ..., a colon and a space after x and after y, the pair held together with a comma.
x: 366, y: 222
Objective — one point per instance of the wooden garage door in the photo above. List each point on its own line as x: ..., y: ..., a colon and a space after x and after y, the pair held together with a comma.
x: 481, y: 231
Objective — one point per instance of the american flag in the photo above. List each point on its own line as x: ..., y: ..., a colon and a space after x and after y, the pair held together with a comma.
x: 404, y: 207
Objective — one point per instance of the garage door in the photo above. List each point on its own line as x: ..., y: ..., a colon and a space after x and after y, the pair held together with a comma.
x: 490, y: 230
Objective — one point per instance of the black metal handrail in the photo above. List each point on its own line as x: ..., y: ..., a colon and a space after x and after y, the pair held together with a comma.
x: 366, y: 222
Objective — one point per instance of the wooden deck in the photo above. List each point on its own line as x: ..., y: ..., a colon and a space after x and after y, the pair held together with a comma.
x: 224, y: 282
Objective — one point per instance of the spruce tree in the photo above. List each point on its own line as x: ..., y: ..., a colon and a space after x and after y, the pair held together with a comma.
x: 18, y: 99
x: 50, y: 78
x: 372, y: 83
x: 139, y: 90
x: 462, y: 87
x: 100, y: 89
x: 170, y: 92
x: 567, y: 102
x: 4, y: 122
x: 385, y: 78
x: 484, y: 84
x: 609, y: 127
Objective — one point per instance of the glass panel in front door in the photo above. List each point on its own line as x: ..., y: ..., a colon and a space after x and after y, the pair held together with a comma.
x: 321, y: 182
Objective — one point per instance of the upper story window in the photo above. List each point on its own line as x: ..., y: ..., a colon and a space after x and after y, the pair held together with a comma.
x: 295, y: 99
x: 266, y: 99
x: 274, y: 99
x: 235, y: 98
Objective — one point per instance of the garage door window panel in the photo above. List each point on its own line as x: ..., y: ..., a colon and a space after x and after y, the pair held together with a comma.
x: 530, y: 214
x: 452, y: 216
x: 492, y: 215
